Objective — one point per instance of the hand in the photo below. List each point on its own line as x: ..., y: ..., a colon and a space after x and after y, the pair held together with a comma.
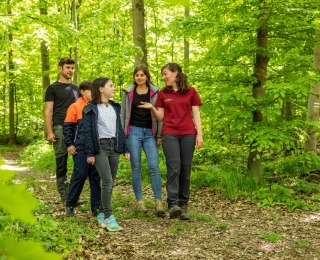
x: 127, y: 157
x: 199, y: 141
x: 51, y: 138
x: 159, y: 141
x: 91, y: 160
x: 72, y: 150
x: 145, y: 105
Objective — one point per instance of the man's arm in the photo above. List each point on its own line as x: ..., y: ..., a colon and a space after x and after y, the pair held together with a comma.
x: 48, y: 121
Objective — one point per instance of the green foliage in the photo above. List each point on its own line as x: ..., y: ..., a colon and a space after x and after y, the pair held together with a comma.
x: 281, y: 195
x: 302, y: 244
x: 293, y: 165
x: 272, y: 237
x: 39, y: 157
x: 231, y: 181
x: 222, y: 226
x: 17, y: 203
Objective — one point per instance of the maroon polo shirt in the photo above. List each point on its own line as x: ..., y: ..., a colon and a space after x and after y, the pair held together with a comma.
x: 178, y: 112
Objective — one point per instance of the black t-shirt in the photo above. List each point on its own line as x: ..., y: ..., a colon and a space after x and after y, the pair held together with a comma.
x: 140, y: 117
x: 63, y: 95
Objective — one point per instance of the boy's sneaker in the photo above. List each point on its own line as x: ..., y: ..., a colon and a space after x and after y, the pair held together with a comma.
x: 100, y: 218
x: 159, y: 209
x: 175, y: 211
x: 141, y: 207
x: 111, y: 224
x: 69, y: 211
x: 184, y: 213
x: 95, y: 212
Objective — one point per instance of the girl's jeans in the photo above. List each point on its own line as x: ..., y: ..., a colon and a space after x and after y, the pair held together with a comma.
x: 106, y: 163
x: 142, y: 138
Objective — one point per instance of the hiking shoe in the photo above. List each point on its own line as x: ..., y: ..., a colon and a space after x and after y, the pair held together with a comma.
x: 159, y: 209
x: 141, y: 207
x: 111, y: 224
x: 175, y: 211
x: 100, y: 218
x: 69, y: 211
x: 95, y: 212
x: 184, y: 213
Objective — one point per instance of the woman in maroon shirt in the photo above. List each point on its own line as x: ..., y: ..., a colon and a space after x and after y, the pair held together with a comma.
x: 178, y: 108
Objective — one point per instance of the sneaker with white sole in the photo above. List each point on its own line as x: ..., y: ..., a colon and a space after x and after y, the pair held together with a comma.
x: 100, y: 218
x: 111, y: 224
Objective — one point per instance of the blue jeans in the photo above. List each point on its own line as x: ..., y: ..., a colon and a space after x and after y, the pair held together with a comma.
x: 81, y: 171
x: 107, y: 161
x: 137, y: 139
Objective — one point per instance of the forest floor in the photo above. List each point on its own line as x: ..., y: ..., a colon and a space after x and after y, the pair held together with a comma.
x: 219, y: 228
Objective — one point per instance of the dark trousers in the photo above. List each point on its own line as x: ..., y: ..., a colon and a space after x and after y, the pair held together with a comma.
x: 81, y: 171
x: 178, y: 151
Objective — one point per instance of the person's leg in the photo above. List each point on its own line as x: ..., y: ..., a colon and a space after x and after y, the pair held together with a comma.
x: 103, y: 168
x: 187, y: 145
x: 95, y: 188
x: 61, y: 155
x: 152, y: 153
x: 171, y: 149
x: 80, y: 174
x: 134, y: 143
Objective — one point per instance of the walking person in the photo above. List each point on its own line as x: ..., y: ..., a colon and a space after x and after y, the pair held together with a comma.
x: 104, y: 142
x: 59, y: 96
x: 178, y: 107
x: 142, y: 131
x: 74, y: 139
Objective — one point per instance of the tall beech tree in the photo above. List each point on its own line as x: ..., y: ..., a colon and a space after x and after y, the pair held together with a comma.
x: 260, y: 73
x: 314, y: 101
x: 138, y: 28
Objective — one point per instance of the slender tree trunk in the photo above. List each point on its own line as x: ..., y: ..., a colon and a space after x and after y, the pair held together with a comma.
x: 314, y: 100
x: 139, y: 35
x: 186, y: 43
x: 12, y: 85
x: 76, y: 58
x: 260, y: 72
x: 45, y: 64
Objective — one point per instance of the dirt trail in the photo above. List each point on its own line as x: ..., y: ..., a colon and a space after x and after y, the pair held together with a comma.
x: 235, y: 232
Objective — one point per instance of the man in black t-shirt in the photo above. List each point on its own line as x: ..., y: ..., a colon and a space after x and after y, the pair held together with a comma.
x: 59, y: 96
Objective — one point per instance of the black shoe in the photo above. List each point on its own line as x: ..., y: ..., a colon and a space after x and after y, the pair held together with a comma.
x: 184, y: 213
x: 95, y: 212
x: 175, y: 211
x: 69, y: 211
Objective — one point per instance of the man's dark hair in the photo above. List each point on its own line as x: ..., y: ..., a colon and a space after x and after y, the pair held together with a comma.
x: 65, y: 60
x: 85, y: 85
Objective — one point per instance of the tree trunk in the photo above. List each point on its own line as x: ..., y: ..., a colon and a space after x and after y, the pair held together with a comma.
x: 314, y: 101
x: 76, y: 58
x: 45, y: 64
x: 260, y: 72
x: 12, y: 85
x: 139, y: 35
x: 186, y: 44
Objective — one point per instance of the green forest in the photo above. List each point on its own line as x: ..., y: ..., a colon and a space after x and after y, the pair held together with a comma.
x: 255, y: 65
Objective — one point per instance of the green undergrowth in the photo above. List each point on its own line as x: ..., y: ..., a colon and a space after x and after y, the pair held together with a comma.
x: 220, y: 169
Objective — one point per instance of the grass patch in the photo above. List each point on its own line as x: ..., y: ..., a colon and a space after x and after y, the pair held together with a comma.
x: 302, y: 244
x: 222, y: 226
x: 272, y: 237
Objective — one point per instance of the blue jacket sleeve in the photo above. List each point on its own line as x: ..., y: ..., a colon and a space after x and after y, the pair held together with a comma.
x: 68, y: 132
x: 88, y: 118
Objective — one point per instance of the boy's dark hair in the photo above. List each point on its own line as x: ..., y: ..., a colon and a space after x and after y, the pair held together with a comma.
x: 65, y: 60
x: 85, y: 85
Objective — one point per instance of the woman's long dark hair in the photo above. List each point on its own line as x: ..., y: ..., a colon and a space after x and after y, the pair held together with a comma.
x: 145, y: 70
x: 181, y: 79
x: 95, y: 91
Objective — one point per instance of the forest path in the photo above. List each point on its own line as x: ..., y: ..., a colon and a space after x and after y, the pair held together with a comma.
x: 219, y: 228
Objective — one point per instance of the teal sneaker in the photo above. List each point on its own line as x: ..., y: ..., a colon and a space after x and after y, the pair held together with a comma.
x: 100, y: 218
x: 111, y: 224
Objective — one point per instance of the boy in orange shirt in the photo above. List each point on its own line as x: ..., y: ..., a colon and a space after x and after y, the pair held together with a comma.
x: 74, y: 140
